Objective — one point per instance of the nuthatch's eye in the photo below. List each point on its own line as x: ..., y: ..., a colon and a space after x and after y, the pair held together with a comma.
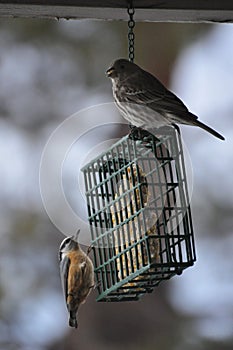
x: 65, y: 243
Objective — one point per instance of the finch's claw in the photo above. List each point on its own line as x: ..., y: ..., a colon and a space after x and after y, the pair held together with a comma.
x: 137, y: 133
x: 131, y: 126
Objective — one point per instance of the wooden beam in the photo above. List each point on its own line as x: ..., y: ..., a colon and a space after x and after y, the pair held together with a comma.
x: 146, y: 10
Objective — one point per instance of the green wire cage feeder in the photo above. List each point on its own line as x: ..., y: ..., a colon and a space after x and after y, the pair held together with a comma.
x: 139, y: 214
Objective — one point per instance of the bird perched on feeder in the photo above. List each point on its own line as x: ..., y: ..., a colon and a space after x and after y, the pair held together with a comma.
x: 77, y: 275
x: 145, y: 102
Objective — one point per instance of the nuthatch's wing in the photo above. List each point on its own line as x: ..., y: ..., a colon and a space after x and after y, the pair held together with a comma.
x: 64, y: 270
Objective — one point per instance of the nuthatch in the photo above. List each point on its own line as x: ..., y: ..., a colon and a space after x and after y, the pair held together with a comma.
x: 77, y: 275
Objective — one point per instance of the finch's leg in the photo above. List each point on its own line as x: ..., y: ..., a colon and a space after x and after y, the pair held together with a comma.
x: 137, y: 133
x: 176, y: 127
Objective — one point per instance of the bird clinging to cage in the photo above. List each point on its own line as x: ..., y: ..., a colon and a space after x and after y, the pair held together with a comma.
x: 133, y: 224
x: 77, y: 275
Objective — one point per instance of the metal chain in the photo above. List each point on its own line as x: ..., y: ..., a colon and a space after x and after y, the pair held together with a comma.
x: 131, y: 36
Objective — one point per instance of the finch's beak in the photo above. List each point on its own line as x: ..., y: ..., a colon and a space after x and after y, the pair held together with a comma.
x: 110, y: 71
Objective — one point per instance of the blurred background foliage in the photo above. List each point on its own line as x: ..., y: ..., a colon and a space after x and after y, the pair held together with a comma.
x: 51, y: 69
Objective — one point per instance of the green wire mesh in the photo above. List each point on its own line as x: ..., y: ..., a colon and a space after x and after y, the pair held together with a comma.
x: 139, y: 215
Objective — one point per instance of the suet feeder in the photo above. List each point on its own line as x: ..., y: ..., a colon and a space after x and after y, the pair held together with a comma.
x: 139, y: 214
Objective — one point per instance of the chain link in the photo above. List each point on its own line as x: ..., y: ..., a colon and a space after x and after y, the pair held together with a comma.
x: 131, y: 36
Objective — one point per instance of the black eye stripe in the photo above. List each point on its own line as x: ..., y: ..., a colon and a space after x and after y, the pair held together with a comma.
x: 65, y: 242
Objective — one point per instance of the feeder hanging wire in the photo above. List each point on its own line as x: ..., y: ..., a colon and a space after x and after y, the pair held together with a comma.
x: 131, y: 35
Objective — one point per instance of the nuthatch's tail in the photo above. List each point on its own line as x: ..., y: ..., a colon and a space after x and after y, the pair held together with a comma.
x: 73, y: 320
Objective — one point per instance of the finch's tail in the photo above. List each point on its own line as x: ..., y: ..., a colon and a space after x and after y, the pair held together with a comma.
x: 207, y: 128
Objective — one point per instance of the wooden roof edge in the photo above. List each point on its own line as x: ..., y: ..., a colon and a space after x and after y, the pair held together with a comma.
x: 35, y: 10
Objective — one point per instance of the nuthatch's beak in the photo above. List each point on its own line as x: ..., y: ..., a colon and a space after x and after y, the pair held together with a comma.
x: 110, y: 71
x: 75, y: 236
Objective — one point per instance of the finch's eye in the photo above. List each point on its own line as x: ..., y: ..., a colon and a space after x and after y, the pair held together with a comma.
x: 122, y: 66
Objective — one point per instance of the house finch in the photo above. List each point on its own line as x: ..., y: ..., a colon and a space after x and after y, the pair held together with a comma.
x: 145, y: 102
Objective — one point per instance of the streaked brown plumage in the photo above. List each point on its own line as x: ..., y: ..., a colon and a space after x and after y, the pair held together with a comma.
x: 145, y: 102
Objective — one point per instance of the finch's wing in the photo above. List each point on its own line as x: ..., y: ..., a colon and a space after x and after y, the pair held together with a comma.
x: 64, y: 270
x: 145, y: 89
